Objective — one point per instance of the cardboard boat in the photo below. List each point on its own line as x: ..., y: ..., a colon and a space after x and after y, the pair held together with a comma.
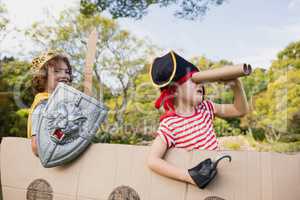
x: 105, y: 168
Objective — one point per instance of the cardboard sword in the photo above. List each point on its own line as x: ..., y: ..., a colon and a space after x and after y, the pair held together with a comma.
x: 89, y: 61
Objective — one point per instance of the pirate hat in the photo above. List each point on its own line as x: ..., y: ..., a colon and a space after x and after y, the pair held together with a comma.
x: 170, y: 68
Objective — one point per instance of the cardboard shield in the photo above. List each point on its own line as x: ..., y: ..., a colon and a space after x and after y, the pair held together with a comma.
x: 67, y: 125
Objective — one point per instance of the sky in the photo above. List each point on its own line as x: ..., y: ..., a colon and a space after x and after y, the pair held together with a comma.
x: 240, y: 31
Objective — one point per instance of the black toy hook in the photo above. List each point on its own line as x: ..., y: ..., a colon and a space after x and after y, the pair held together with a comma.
x: 217, y: 161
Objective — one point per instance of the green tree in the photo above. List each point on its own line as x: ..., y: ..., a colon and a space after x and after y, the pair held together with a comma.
x: 254, y: 84
x: 187, y: 9
x: 141, y: 111
x: 276, y: 108
x: 16, y: 95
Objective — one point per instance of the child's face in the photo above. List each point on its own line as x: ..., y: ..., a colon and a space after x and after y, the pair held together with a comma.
x: 57, y: 73
x: 190, y: 93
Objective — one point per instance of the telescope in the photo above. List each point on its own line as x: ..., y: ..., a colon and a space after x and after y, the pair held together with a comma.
x: 225, y: 73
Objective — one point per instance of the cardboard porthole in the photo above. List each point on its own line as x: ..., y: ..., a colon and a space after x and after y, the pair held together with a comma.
x: 39, y: 189
x: 123, y: 193
x: 213, y: 198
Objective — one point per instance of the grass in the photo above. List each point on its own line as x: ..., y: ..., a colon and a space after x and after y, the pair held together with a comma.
x: 281, y: 147
x: 248, y: 143
x: 232, y: 145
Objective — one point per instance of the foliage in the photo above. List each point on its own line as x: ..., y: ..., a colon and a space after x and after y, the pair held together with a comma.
x: 276, y: 110
x: 140, y: 116
x: 290, y: 138
x: 19, y: 123
x: 224, y: 128
x: 121, y: 138
x: 258, y: 134
x: 189, y: 9
x: 16, y: 94
x: 254, y: 85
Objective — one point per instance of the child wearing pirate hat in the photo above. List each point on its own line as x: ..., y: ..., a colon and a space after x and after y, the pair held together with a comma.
x: 188, y: 119
x: 48, y: 70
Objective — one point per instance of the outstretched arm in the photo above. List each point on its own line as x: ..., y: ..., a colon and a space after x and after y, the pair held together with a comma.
x: 160, y: 166
x: 240, y: 106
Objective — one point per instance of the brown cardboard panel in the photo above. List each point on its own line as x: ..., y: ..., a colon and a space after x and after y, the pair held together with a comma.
x: 285, y: 177
x: 234, y: 176
x: 266, y: 176
x: 63, y: 179
x: 253, y: 175
x: 86, y: 198
x: 126, y: 174
x: 176, y: 190
x: 297, y: 176
x: 179, y: 157
x: 124, y: 159
x: 103, y: 167
x: 21, y: 168
x: 16, y: 153
x: 97, y: 175
x: 230, y: 176
x: 13, y: 193
x: 0, y: 175
x: 141, y: 175
x: 16, y: 194
x: 63, y: 197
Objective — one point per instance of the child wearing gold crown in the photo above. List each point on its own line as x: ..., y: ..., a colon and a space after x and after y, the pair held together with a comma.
x: 48, y: 69
x: 188, y: 119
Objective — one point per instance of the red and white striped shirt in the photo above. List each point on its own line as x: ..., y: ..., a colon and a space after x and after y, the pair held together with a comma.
x: 190, y: 132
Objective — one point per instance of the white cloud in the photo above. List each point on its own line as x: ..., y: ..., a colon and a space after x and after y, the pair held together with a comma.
x: 22, y: 14
x: 294, y: 4
x: 276, y: 39
x: 262, y: 57
x: 285, y: 31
